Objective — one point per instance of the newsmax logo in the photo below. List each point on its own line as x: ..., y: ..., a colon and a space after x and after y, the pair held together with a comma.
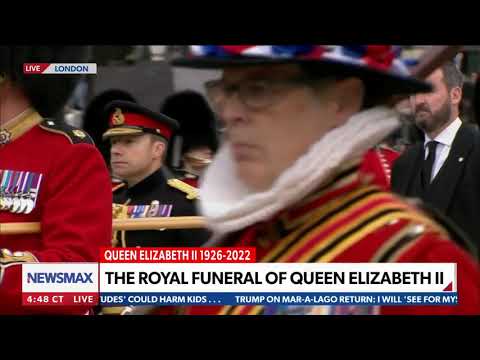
x: 53, y: 68
x: 60, y: 278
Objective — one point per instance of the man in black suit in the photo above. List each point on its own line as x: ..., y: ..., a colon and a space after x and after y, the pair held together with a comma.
x: 444, y: 169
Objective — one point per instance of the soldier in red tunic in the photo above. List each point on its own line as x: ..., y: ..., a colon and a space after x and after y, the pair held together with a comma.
x: 50, y: 173
x: 287, y: 180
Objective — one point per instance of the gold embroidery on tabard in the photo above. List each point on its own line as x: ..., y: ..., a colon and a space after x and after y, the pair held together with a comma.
x: 238, y: 309
x: 357, y: 236
x: 257, y: 310
x: 225, y: 309
x: 398, y: 213
x: 343, y: 182
x: 316, y: 216
x: 251, y: 310
x: 345, y: 229
x: 392, y: 242
x: 306, y: 238
x: 332, y: 205
x: 367, y: 229
x: 421, y: 229
x: 403, y: 249
x: 349, y: 241
x: 345, y: 243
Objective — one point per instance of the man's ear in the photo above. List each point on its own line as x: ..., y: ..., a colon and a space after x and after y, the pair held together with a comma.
x: 456, y: 95
x: 159, y: 149
x: 349, y: 94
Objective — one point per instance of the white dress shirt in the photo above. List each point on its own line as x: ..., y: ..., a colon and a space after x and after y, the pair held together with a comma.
x: 445, y: 140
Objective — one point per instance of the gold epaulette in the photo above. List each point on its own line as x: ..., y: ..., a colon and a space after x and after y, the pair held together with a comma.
x: 191, y: 191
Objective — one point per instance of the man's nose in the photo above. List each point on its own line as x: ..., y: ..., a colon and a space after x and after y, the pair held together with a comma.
x: 419, y: 99
x: 233, y: 112
x: 116, y: 149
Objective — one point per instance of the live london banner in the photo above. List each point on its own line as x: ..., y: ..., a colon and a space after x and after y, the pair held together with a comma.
x: 231, y: 276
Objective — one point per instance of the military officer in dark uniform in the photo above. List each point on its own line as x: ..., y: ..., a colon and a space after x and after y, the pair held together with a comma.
x: 139, y: 140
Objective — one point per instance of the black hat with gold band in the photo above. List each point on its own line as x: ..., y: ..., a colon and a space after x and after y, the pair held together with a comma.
x: 128, y: 118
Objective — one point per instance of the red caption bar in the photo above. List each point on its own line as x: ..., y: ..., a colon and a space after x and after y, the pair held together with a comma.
x: 178, y: 255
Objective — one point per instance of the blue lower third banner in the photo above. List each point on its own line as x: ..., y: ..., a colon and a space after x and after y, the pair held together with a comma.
x: 392, y: 299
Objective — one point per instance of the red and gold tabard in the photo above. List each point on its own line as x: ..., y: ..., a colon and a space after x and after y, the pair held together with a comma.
x: 54, y: 175
x: 350, y: 220
x: 378, y: 163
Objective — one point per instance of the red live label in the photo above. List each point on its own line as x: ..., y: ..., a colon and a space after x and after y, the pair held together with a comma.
x: 34, y: 68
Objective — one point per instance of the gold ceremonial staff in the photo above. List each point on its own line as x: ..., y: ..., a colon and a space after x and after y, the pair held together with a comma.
x: 178, y: 222
x: 433, y: 58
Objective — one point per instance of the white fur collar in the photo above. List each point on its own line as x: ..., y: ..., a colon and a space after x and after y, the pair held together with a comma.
x: 229, y: 205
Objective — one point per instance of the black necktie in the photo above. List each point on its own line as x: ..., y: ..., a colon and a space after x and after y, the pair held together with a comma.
x: 428, y: 163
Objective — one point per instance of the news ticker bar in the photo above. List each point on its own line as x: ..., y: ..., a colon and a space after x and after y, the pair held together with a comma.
x: 222, y: 283
x: 57, y: 68
x: 209, y: 299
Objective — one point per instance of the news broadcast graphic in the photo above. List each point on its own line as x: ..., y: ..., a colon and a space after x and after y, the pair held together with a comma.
x: 60, y: 284
x: 51, y: 68
x: 230, y: 276
x: 146, y: 283
x: 179, y: 255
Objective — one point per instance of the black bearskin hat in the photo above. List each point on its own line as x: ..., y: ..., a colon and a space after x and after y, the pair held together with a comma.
x: 47, y: 93
x: 196, y: 119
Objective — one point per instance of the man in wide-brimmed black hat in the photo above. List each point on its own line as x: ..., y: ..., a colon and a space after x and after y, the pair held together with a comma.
x: 298, y: 119
x: 50, y: 173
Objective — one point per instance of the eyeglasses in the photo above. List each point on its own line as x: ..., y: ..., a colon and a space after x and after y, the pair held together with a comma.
x: 254, y: 94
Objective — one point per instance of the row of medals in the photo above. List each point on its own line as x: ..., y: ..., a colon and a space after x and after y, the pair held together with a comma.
x: 19, y: 202
x: 155, y: 209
